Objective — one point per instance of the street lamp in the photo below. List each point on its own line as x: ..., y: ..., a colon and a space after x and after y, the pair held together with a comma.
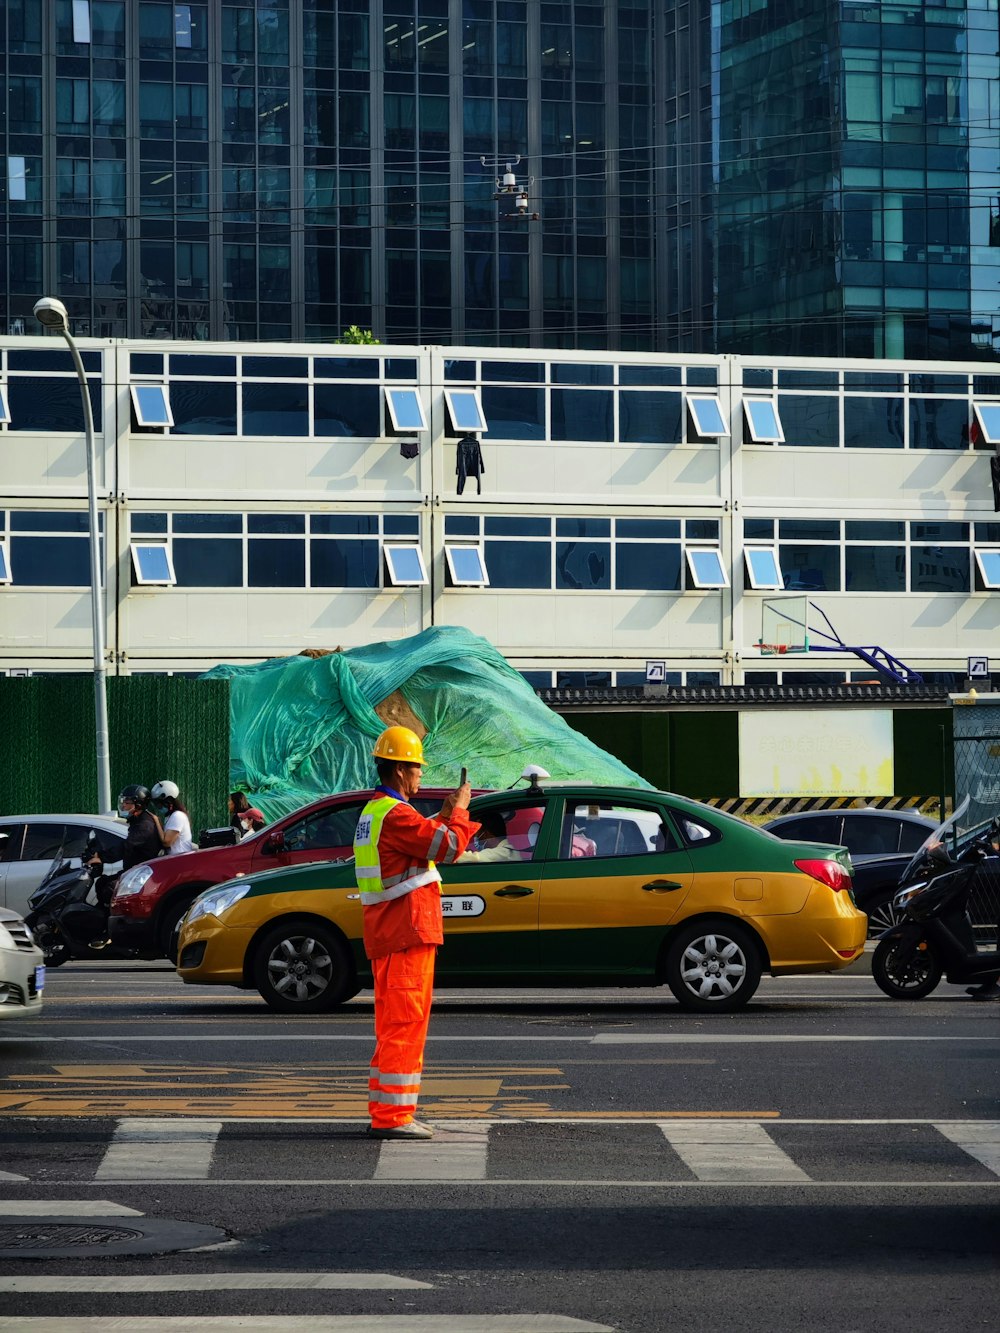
x: 52, y: 314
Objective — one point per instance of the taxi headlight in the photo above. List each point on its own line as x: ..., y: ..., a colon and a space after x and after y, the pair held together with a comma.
x: 216, y: 901
x: 133, y: 881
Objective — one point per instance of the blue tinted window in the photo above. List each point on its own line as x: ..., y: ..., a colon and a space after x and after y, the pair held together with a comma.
x: 401, y: 525
x: 460, y: 370
x: 148, y: 524
x: 279, y: 563
x: 758, y: 529
x: 461, y: 525
x: 939, y: 383
x: 153, y: 563
x: 208, y: 523
x: 56, y: 359
x: 344, y: 564
x: 754, y: 377
x: 464, y: 411
x: 207, y: 562
x: 151, y: 400
x: 665, y: 376
x: 219, y: 366
x: 875, y: 568
x: 869, y: 381
x: 583, y: 680
x: 939, y: 569
x: 400, y: 368
x: 276, y: 523
x: 648, y: 565
x: 346, y: 368
x: 581, y: 414
x: 514, y: 414
x: 873, y: 423
x: 467, y: 562
x: 347, y: 524
x: 583, y: 564
x: 50, y: 520
x: 702, y: 377
x: 519, y: 564
x: 276, y: 409
x: 939, y: 532
x: 574, y: 373
x: 763, y: 420
x: 513, y: 372
x: 707, y: 416
x: 51, y: 404
x: 203, y: 409
x: 650, y: 418
x: 811, y: 568
x: 809, y: 421
x: 347, y: 409
x: 648, y: 527
x: 276, y: 367
x: 52, y: 562
x: 516, y: 527
x: 807, y: 379
x: 407, y: 407
x: 145, y: 363
x: 941, y: 423
x: 405, y: 564
x: 763, y: 567
x: 815, y: 529
x: 583, y: 527
x: 874, y: 530
x: 538, y: 680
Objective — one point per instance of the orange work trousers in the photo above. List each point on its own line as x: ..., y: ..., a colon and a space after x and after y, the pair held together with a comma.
x: 403, y: 987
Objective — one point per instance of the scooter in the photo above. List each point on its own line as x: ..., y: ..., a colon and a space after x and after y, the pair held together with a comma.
x: 935, y: 939
x: 68, y: 912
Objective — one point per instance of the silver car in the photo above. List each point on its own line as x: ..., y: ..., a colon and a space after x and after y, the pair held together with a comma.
x: 22, y: 974
x: 33, y: 842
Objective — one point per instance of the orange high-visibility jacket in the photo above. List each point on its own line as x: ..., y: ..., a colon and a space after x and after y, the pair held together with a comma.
x: 404, y: 848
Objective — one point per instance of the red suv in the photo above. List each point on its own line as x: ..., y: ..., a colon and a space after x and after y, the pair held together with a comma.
x: 150, y: 899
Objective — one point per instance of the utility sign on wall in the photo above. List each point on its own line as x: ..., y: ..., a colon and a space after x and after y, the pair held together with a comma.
x: 816, y: 752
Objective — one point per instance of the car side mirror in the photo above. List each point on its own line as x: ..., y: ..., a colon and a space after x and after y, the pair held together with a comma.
x: 273, y: 843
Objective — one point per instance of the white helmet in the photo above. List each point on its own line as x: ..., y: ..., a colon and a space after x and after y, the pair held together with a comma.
x: 166, y: 791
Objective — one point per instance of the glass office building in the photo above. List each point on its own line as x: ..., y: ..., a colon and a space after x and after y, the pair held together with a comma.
x: 837, y: 174
x: 797, y: 177
x: 282, y: 169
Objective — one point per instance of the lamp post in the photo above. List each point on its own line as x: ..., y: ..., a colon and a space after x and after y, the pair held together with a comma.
x: 52, y: 314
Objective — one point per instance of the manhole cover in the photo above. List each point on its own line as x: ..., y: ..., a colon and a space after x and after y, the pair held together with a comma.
x: 83, y: 1238
x: 47, y: 1235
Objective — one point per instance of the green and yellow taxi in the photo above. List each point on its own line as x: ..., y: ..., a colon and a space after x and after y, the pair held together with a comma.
x: 568, y: 885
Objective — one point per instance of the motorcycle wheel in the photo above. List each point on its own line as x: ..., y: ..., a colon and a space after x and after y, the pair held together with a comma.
x: 905, y: 971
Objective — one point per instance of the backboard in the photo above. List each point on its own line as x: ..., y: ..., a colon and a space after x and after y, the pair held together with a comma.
x: 784, y: 626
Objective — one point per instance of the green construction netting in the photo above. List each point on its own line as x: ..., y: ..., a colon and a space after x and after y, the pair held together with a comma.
x: 302, y: 727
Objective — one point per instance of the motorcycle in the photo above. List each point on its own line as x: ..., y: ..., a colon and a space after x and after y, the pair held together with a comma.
x: 935, y: 937
x: 68, y: 912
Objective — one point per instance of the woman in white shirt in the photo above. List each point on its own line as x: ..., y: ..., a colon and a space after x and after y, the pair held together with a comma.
x: 176, y: 826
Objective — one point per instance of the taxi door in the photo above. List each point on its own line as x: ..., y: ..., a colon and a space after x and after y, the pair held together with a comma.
x: 617, y: 879
x: 490, y: 908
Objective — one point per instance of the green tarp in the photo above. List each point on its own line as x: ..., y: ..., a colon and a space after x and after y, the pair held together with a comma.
x: 302, y: 727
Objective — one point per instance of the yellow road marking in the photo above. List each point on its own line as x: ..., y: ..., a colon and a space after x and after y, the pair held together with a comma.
x: 314, y: 1091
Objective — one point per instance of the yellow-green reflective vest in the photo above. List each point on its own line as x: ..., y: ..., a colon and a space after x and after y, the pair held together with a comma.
x: 367, y: 867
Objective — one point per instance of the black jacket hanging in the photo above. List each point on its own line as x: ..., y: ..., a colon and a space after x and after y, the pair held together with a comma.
x: 470, y: 462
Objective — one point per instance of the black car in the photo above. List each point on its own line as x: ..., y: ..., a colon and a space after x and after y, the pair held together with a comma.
x: 882, y: 844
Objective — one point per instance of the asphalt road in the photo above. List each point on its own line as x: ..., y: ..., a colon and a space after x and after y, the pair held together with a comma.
x: 828, y: 1159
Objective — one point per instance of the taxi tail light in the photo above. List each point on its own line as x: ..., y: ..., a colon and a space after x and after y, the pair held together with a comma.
x: 830, y: 873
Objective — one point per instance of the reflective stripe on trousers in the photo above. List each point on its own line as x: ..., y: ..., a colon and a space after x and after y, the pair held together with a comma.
x: 403, y: 987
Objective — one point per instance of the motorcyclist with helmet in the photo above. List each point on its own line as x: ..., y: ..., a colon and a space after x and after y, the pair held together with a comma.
x: 177, y: 836
x: 144, y: 839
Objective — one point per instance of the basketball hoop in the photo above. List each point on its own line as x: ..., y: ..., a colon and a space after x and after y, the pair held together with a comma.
x: 771, y: 649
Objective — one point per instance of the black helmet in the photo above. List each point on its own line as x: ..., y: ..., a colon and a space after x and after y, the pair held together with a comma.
x: 136, y: 792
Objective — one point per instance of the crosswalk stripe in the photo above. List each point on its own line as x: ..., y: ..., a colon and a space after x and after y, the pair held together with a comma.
x: 65, y: 1208
x: 979, y: 1138
x: 732, y: 1152
x: 348, y: 1323
x: 160, y: 1150
x: 457, y: 1152
x: 214, y: 1282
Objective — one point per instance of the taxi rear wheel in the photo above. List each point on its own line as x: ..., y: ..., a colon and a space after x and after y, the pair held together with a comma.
x: 302, y: 967
x: 713, y: 966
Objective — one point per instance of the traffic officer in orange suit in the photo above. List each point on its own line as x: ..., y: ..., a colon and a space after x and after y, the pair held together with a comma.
x: 395, y: 850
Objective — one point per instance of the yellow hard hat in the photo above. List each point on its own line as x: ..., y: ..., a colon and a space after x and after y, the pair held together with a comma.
x: 401, y: 744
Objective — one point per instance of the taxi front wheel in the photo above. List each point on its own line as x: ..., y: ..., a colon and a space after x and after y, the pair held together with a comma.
x: 302, y: 967
x: 713, y: 966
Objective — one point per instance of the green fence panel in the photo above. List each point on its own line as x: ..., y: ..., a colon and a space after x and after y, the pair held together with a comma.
x: 159, y: 727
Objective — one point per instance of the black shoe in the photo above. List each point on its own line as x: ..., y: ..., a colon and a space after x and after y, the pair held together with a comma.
x: 990, y: 990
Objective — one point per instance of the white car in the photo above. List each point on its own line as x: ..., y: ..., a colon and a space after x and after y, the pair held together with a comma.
x: 33, y: 842
x: 22, y: 973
